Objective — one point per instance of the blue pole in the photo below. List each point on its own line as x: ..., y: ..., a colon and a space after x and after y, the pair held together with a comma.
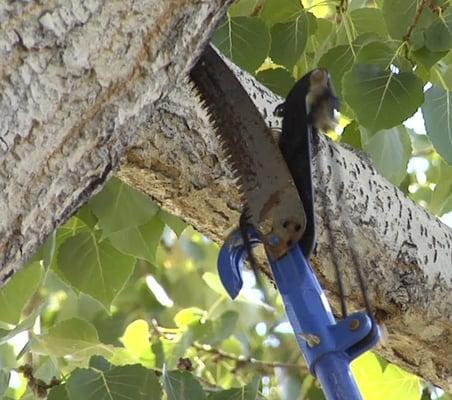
x: 335, y: 377
x: 328, y: 346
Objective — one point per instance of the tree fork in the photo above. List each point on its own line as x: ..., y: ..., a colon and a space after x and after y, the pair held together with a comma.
x: 81, y: 84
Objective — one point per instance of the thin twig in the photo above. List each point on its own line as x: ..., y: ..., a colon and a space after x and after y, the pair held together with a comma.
x: 242, y: 361
x: 420, y: 8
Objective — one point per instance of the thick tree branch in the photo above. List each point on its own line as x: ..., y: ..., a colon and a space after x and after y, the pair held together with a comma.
x: 405, y: 253
x: 74, y: 78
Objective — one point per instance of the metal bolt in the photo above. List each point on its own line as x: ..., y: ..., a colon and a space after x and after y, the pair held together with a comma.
x: 311, y: 339
x: 354, y: 324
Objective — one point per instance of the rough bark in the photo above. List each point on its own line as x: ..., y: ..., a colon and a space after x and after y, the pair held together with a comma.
x: 74, y: 77
x: 81, y: 82
x: 404, y: 252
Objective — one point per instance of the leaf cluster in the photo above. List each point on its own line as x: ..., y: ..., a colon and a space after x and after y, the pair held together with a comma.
x: 388, y: 60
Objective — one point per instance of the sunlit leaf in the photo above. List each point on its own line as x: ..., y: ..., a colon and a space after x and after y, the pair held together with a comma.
x: 187, y: 316
x: 380, y: 98
x: 17, y: 291
x: 392, y: 383
x: 437, y: 112
x: 136, y: 337
x: 245, y: 40
x: 120, y: 383
x: 182, y: 385
x: 119, y: 206
x: 74, y: 337
x: 97, y: 269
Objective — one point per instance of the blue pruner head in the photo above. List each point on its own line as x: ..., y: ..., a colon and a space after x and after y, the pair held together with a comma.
x: 231, y: 259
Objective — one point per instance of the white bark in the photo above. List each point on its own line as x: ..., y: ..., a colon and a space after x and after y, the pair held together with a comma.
x: 80, y: 83
x: 405, y: 253
x: 74, y: 77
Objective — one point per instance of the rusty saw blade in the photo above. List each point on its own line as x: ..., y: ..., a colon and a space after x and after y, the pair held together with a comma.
x: 269, y: 193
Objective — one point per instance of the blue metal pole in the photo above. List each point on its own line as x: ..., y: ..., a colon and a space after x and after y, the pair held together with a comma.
x: 335, y: 377
x: 327, y: 346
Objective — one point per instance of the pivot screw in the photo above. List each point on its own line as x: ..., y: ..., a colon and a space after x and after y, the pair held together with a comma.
x: 354, y: 324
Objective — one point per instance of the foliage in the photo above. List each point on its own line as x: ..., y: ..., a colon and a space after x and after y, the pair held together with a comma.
x: 102, y: 319
x: 387, y: 59
x: 124, y: 301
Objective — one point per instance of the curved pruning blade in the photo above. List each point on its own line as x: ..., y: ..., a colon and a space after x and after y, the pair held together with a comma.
x: 270, y: 195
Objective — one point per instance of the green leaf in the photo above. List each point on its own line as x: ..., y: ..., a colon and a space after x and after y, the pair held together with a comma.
x: 376, y: 53
x: 244, y: 8
x: 58, y: 393
x: 278, y: 80
x: 4, y: 381
x: 97, y: 269
x: 175, y: 223
x: 7, y: 357
x: 280, y: 11
x: 176, y: 348
x: 87, y: 216
x: 140, y: 241
x: 248, y: 392
x: 368, y: 20
x: 443, y: 190
x: 438, y: 36
x: 73, y: 337
x: 245, y: 40
x: 182, y: 385
x: 17, y: 291
x: 437, y: 112
x: 25, y: 324
x: 120, y: 383
x: 390, y: 151
x: 428, y: 58
x: 289, y: 40
x: 215, y: 331
x: 118, y: 206
x: 380, y: 98
x: 399, y: 15
x: 352, y: 135
x: 338, y: 60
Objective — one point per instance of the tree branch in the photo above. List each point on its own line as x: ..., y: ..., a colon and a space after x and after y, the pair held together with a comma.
x: 405, y: 253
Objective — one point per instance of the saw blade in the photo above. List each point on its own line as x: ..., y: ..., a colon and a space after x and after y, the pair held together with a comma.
x: 270, y: 196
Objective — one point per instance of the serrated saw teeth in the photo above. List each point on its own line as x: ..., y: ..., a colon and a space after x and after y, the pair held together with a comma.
x: 247, y: 144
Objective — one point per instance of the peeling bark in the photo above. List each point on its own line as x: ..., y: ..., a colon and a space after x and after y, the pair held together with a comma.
x: 405, y: 253
x: 81, y: 82
x: 74, y: 78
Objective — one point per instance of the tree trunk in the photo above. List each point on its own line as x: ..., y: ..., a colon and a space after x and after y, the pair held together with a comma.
x: 75, y: 77
x: 82, y: 83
